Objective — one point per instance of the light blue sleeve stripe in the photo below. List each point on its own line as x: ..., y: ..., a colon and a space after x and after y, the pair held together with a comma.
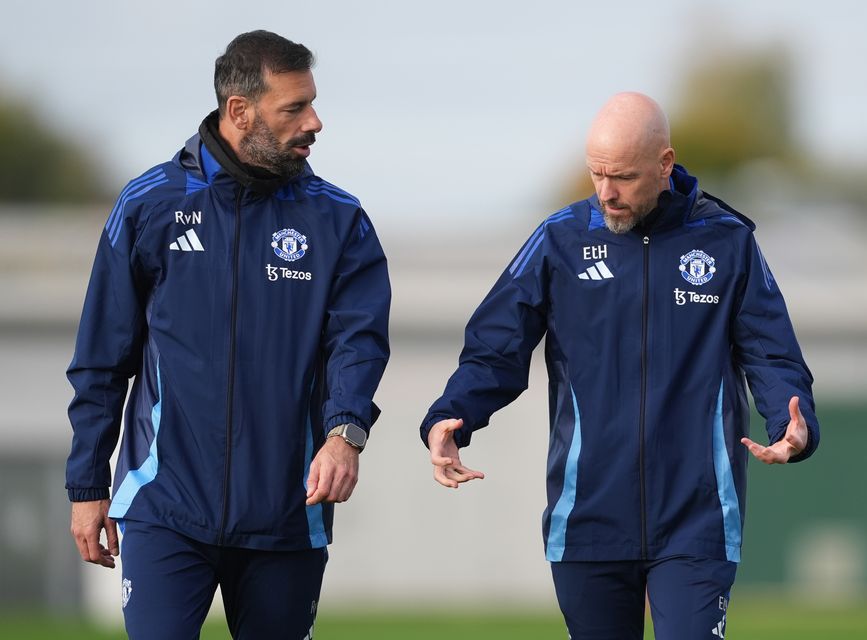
x: 137, y: 478
x: 560, y: 515
x: 539, y: 237
x: 769, y: 278
x: 115, y: 233
x: 531, y: 244
x: 128, y: 193
x: 321, y: 186
x: 526, y: 248
x: 725, y: 483
x: 315, y: 524
x: 319, y: 191
x: 132, y: 185
x: 335, y: 189
x: 529, y: 255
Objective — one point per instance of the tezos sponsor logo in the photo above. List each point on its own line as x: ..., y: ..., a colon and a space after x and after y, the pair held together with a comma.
x: 289, y: 244
x: 697, y: 267
x: 275, y: 273
x: 681, y: 297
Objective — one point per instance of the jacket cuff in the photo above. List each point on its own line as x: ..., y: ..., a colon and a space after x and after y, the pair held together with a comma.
x: 88, y: 495
x: 812, y: 442
x: 462, y: 436
x: 809, y: 448
x: 343, y: 418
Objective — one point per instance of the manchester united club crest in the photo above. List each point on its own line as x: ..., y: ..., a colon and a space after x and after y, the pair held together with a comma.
x: 697, y: 267
x: 289, y: 244
x: 125, y: 592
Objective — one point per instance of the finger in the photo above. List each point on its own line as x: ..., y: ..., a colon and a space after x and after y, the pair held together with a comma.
x: 456, y: 475
x: 346, y: 489
x: 81, y: 543
x: 440, y: 461
x: 316, y: 497
x: 754, y: 447
x: 323, y: 488
x: 312, y: 478
x: 340, y: 485
x: 453, y: 425
x: 463, y: 474
x: 441, y: 477
x: 105, y: 558
x: 91, y: 540
x: 111, y: 537
x: 795, y: 409
x: 768, y: 455
x: 444, y: 428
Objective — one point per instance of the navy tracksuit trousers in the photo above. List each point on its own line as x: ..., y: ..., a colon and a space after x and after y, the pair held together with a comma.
x: 605, y: 600
x: 169, y: 582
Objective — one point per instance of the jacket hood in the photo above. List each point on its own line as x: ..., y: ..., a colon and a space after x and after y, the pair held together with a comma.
x: 695, y: 203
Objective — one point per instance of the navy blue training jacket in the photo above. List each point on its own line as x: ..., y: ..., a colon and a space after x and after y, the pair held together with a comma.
x: 650, y: 335
x: 254, y: 319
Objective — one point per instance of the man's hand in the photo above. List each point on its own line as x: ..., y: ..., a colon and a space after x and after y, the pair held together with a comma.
x: 448, y: 470
x: 789, y: 445
x: 88, y: 521
x: 333, y: 472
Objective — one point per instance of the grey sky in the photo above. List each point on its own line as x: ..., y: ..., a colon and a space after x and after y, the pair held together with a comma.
x: 433, y: 111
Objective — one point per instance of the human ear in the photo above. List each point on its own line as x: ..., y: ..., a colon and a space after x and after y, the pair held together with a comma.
x: 237, y: 111
x: 666, y: 162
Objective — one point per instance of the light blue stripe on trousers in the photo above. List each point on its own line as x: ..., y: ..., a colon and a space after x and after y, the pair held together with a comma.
x: 560, y: 515
x: 137, y: 478
x: 725, y: 484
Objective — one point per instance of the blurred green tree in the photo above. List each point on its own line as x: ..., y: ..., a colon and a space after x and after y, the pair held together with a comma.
x: 38, y: 165
x: 735, y: 109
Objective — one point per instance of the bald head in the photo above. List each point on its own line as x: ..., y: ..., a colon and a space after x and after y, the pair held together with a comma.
x: 629, y: 123
x: 630, y: 158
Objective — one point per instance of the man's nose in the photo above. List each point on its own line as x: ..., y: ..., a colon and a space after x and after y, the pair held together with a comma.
x: 607, y: 190
x: 313, y: 123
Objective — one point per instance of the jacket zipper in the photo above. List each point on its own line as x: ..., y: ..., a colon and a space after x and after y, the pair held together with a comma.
x: 230, y: 386
x: 644, y: 315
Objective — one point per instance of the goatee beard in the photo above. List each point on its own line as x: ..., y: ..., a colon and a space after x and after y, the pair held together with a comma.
x: 261, y: 148
x: 619, y: 225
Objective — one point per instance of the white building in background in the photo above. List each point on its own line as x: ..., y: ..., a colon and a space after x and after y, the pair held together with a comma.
x: 401, y: 539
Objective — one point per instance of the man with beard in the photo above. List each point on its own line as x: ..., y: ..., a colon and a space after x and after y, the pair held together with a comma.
x: 249, y: 298
x: 657, y: 303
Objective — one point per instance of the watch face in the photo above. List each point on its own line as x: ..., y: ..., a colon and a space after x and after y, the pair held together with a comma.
x: 355, y: 435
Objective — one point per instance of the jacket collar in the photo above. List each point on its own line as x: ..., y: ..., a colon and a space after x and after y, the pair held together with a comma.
x: 209, y: 155
x: 674, y: 207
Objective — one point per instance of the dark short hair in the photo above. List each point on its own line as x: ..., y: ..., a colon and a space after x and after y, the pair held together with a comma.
x: 240, y: 71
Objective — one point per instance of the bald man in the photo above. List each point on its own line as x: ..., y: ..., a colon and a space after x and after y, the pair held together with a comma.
x: 657, y: 304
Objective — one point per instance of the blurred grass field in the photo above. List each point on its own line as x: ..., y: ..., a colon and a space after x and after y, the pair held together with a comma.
x: 762, y: 618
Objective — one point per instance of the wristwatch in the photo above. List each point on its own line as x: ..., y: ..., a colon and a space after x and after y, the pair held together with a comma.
x: 354, y: 435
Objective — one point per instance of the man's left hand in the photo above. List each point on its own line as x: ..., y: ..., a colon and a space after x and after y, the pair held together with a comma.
x: 789, y: 445
x: 333, y: 472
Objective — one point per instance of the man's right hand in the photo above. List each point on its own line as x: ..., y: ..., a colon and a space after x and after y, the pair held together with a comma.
x: 88, y: 521
x: 448, y: 470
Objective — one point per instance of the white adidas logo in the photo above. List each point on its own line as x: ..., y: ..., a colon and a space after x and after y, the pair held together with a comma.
x: 598, y: 271
x: 187, y: 242
x: 719, y: 629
